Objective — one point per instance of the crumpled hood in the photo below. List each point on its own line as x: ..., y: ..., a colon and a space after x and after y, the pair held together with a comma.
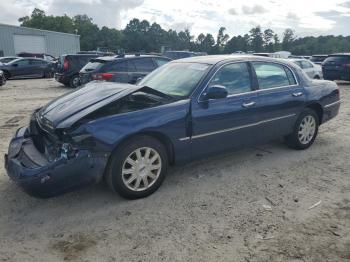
x: 92, y: 96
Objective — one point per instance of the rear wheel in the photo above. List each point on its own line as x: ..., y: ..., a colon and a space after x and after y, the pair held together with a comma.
x: 7, y: 75
x: 138, y: 167
x: 305, y: 130
x: 74, y: 82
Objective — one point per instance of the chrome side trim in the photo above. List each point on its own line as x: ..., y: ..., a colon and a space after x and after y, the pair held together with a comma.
x: 237, y: 128
x: 333, y: 104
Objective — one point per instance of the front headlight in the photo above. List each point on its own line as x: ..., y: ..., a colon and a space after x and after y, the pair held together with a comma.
x: 68, y: 151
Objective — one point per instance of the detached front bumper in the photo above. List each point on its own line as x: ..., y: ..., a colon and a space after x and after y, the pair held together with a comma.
x: 37, y: 176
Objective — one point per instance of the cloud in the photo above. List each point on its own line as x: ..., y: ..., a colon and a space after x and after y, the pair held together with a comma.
x: 103, y: 12
x: 345, y: 4
x: 255, y: 9
x: 232, y: 11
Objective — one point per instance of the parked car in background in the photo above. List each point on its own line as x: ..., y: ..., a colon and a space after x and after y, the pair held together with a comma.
x: 312, y: 70
x: 182, y: 54
x: 2, y: 78
x: 184, y: 110
x: 6, y: 59
x: 27, y: 68
x: 337, y: 67
x: 69, y: 66
x: 38, y: 55
x: 318, y: 59
x: 123, y: 68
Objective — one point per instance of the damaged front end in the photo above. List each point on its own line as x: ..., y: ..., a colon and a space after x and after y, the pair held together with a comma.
x: 46, y: 162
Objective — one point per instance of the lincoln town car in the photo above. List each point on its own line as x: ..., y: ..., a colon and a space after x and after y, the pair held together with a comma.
x: 128, y: 135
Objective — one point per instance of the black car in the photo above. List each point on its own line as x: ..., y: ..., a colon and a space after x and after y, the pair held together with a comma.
x: 2, y: 78
x: 124, y: 69
x: 182, y: 54
x: 27, y: 67
x: 337, y: 67
x: 318, y: 59
x: 69, y: 66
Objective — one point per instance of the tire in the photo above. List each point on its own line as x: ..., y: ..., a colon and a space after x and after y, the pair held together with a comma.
x: 120, y: 158
x: 48, y: 74
x: 7, y: 75
x: 3, y: 81
x: 302, y: 140
x: 74, y: 82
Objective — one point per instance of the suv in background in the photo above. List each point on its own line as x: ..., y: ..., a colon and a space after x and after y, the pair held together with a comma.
x: 125, y: 69
x: 69, y: 66
x: 337, y: 67
x: 182, y: 54
x: 318, y: 59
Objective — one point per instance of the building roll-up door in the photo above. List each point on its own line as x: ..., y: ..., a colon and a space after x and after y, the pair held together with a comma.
x: 29, y: 43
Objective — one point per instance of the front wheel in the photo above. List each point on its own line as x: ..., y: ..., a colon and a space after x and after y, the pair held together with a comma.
x: 305, y: 130
x: 138, y: 167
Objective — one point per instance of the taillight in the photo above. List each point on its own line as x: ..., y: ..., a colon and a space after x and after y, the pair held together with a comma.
x: 65, y: 64
x: 103, y: 76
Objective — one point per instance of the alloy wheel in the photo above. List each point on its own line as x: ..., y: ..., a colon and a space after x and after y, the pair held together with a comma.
x: 141, y: 169
x: 307, y: 129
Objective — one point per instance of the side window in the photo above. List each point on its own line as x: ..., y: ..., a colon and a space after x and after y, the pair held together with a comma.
x: 291, y: 77
x: 23, y: 62
x: 271, y: 75
x: 37, y: 62
x: 160, y: 61
x: 235, y: 77
x: 144, y: 64
x: 121, y: 66
x: 306, y: 64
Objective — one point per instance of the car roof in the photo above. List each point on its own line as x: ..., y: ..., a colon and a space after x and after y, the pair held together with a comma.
x: 115, y: 58
x: 319, y: 55
x: 340, y: 54
x: 214, y: 59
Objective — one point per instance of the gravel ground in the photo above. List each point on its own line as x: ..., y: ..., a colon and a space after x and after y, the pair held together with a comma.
x: 249, y: 205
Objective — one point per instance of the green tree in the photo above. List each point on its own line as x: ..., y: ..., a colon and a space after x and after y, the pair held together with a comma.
x: 256, y: 39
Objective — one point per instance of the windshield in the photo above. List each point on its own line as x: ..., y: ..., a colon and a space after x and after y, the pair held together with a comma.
x: 7, y: 59
x: 176, y: 79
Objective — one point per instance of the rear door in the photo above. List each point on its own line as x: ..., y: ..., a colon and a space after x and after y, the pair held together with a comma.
x: 122, y: 71
x: 143, y: 67
x: 220, y: 124
x: 280, y: 99
x: 21, y: 68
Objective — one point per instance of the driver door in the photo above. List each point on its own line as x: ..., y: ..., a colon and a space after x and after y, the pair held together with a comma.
x: 221, y: 124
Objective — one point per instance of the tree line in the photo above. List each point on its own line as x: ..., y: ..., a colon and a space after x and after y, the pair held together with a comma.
x: 143, y: 36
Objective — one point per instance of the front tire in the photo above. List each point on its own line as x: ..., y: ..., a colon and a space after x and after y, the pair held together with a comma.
x: 305, y: 130
x: 137, y: 168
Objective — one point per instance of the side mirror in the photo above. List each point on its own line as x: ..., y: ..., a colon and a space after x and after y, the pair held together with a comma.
x: 216, y: 92
x: 14, y: 64
x: 138, y: 79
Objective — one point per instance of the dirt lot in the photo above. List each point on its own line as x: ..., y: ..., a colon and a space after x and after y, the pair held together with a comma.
x: 250, y: 205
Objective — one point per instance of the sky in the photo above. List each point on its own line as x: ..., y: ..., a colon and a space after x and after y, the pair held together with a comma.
x: 306, y: 17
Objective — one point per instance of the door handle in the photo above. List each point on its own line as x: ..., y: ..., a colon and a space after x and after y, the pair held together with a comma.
x: 248, y: 104
x: 297, y: 94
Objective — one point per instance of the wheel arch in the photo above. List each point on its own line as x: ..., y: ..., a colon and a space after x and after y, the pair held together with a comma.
x: 318, y: 109
x: 165, y: 140
x: 6, y: 73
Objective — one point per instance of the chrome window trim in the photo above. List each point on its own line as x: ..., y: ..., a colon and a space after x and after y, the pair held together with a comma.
x: 332, y: 104
x: 237, y: 127
x: 253, y: 91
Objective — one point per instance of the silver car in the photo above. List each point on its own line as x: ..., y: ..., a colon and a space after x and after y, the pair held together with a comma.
x: 312, y: 70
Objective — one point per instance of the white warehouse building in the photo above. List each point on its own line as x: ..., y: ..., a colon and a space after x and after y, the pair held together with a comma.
x: 17, y: 39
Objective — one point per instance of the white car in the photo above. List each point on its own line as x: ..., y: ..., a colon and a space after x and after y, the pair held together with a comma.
x: 312, y: 70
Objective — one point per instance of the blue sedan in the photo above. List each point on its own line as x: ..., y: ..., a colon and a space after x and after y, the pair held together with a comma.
x: 128, y: 135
